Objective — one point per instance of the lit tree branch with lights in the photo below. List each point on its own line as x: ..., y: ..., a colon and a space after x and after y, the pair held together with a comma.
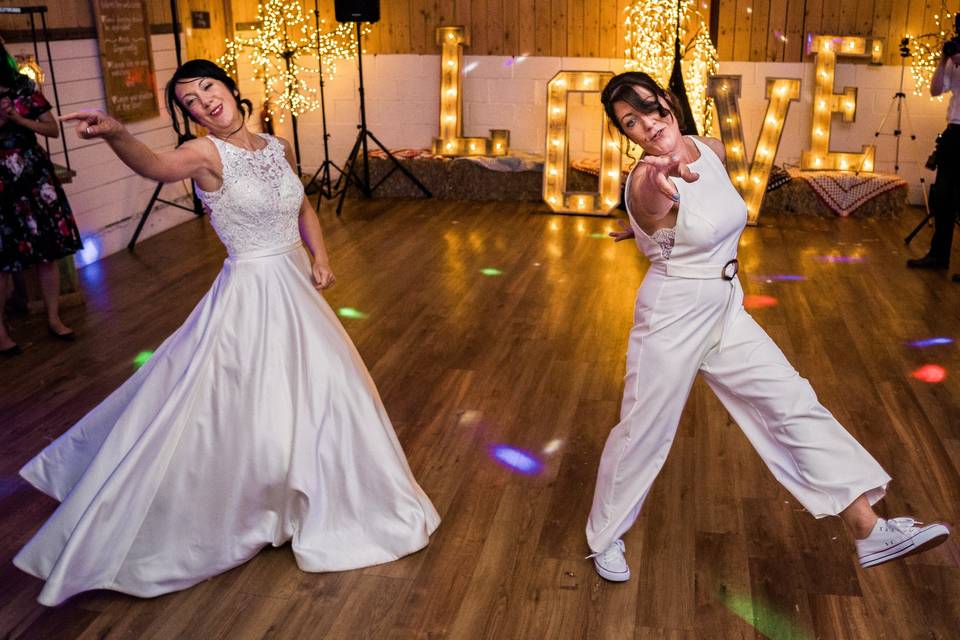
x: 283, y: 38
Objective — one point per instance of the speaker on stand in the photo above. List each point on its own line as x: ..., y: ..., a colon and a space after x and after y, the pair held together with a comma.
x: 365, y: 11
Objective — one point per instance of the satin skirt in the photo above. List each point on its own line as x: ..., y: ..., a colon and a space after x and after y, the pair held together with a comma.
x: 254, y: 424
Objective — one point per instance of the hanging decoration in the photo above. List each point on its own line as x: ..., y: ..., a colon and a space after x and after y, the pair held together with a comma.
x: 282, y: 39
x: 651, y: 46
x: 555, y: 161
x: 826, y: 103
x: 451, y: 142
x: 750, y: 178
x: 925, y: 49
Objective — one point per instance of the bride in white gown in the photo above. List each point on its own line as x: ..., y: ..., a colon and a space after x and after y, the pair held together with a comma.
x: 255, y: 423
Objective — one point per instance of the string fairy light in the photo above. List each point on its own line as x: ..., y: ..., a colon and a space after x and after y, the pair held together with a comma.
x: 651, y: 30
x: 925, y: 52
x: 282, y: 38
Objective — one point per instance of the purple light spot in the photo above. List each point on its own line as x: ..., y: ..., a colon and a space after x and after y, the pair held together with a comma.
x: 778, y: 277
x: 930, y: 342
x: 516, y: 459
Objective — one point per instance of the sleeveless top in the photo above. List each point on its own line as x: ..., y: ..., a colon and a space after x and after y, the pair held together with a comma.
x: 257, y: 207
x: 710, y: 218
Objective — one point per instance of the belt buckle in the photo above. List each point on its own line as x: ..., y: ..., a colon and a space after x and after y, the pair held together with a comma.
x: 724, y: 273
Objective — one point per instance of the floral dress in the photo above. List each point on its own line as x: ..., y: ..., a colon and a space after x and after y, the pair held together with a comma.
x: 36, y: 223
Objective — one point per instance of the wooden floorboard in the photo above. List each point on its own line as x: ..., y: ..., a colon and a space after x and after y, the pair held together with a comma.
x: 532, y: 357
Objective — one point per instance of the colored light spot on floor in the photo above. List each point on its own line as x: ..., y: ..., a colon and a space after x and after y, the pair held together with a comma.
x: 758, y: 302
x: 930, y: 342
x: 516, y: 459
x: 931, y: 373
x: 553, y: 446
x: 350, y: 312
x: 142, y: 358
x: 90, y: 252
x: 766, y: 620
x: 778, y: 277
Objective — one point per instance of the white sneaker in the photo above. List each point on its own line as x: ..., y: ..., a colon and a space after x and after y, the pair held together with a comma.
x: 612, y: 564
x: 896, y: 538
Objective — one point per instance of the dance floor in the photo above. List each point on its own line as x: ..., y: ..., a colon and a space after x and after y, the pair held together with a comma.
x: 496, y: 334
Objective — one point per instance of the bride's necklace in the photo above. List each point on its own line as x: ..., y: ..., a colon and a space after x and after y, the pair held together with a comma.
x: 247, y: 146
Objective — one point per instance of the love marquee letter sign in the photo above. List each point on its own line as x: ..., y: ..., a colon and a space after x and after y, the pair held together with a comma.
x: 826, y: 103
x: 451, y: 141
x: 555, y: 192
x: 751, y: 178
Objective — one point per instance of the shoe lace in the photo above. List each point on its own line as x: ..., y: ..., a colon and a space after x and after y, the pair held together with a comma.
x: 609, y: 553
x: 902, y: 525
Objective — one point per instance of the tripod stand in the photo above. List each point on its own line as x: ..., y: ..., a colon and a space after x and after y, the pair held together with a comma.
x: 899, y: 102
x: 349, y: 173
x: 197, y: 208
x: 321, y: 182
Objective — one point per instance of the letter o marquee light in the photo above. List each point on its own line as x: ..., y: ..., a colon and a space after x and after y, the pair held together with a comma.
x: 555, y: 159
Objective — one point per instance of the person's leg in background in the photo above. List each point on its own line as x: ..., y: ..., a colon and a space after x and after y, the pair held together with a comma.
x: 944, y: 200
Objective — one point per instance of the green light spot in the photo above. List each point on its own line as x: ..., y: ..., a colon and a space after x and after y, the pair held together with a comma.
x: 598, y: 235
x: 770, y: 623
x: 142, y: 358
x: 350, y: 312
x: 490, y: 271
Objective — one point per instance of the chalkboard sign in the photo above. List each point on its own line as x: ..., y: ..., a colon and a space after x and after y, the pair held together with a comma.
x: 123, y: 32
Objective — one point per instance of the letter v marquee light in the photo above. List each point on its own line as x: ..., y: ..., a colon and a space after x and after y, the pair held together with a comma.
x: 751, y: 180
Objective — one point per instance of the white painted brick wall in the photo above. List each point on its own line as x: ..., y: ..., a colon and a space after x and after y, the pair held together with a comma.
x: 107, y: 197
x: 499, y: 92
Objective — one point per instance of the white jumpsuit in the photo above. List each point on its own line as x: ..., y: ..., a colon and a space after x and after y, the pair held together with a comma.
x: 689, y: 318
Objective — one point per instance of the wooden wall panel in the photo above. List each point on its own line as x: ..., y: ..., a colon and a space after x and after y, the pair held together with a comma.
x: 748, y: 29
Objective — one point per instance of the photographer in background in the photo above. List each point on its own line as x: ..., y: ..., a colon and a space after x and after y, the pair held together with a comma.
x: 945, y: 191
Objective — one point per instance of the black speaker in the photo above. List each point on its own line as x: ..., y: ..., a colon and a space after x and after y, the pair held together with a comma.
x: 357, y: 10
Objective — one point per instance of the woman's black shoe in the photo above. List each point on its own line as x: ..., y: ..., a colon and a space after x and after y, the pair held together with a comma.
x: 956, y: 277
x: 69, y: 336
x: 928, y: 262
x: 15, y: 350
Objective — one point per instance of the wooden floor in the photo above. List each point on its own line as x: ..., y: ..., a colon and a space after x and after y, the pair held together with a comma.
x: 532, y: 357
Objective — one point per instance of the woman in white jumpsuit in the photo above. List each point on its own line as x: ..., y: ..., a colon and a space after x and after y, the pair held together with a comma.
x: 687, y: 218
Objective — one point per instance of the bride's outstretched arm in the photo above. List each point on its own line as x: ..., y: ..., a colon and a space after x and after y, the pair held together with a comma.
x: 312, y: 234
x: 190, y: 160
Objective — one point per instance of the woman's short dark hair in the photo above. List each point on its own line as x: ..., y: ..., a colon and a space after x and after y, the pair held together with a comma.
x: 621, y: 89
x: 191, y: 70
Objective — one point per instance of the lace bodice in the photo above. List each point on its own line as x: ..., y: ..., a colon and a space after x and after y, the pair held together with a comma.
x: 666, y: 238
x: 258, y: 205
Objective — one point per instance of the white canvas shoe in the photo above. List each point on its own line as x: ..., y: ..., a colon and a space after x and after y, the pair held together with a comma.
x: 896, y: 538
x: 611, y: 564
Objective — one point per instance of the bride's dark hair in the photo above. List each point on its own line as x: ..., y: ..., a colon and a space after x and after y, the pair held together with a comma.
x: 621, y: 89
x: 191, y: 70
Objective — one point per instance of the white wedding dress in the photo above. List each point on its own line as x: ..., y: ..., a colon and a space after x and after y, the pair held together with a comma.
x: 255, y: 423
